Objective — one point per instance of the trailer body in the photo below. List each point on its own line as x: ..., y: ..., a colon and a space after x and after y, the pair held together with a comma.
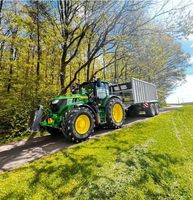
x: 135, y: 92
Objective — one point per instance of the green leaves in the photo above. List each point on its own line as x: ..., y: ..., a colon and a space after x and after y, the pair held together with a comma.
x: 40, y: 52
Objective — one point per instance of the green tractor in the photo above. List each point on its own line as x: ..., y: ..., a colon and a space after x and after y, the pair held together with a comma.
x: 76, y: 115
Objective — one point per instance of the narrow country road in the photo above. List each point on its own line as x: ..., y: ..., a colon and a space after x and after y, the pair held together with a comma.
x: 15, y: 154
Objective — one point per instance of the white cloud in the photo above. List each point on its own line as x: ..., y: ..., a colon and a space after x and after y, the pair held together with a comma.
x: 190, y: 60
x: 183, y: 93
x: 190, y: 37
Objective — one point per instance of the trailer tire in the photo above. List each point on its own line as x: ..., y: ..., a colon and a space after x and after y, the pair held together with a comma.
x: 115, y: 113
x: 78, y: 124
x: 150, y: 111
x: 156, y: 109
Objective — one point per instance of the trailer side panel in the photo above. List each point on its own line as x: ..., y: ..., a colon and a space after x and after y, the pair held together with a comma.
x: 143, y: 91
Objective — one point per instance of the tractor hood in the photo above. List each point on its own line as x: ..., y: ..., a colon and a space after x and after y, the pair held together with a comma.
x: 61, y: 103
x: 70, y: 96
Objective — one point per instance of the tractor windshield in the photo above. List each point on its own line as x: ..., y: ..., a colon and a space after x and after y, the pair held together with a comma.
x: 87, y: 89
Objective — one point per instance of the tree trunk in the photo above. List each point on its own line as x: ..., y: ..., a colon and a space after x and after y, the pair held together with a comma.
x: 88, y: 72
x: 38, y: 51
x: 10, y: 78
x: 52, y: 67
x: 12, y: 58
x: 115, y: 65
x: 88, y: 66
x: 63, y: 67
x: 1, y: 54
x: 2, y: 43
x: 1, y: 6
x: 104, y: 71
x: 93, y: 67
x: 38, y: 44
x: 125, y: 71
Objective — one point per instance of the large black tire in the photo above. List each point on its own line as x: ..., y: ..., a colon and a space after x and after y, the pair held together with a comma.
x: 54, y: 132
x: 112, y: 121
x: 74, y: 129
x: 133, y: 111
x: 150, y: 111
x: 156, y: 109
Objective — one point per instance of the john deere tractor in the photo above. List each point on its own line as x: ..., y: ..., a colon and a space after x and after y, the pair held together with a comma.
x: 76, y: 115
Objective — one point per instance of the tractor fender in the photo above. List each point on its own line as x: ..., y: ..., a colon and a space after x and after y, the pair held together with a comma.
x: 109, y: 98
x: 114, y: 96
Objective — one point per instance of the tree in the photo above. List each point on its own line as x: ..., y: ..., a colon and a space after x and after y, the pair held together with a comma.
x: 47, y: 45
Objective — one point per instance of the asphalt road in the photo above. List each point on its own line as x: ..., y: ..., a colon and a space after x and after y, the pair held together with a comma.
x: 15, y: 154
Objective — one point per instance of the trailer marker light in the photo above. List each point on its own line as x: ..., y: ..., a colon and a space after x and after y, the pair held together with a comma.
x: 145, y: 105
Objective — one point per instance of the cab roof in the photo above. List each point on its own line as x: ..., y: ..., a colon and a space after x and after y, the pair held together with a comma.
x: 85, y: 83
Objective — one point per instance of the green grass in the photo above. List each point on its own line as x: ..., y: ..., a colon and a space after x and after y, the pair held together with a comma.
x: 150, y: 160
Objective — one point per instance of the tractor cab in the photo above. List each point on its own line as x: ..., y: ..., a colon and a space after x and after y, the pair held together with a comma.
x: 96, y: 89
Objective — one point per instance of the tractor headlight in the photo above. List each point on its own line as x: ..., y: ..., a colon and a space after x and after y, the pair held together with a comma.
x: 55, y: 101
x: 50, y: 120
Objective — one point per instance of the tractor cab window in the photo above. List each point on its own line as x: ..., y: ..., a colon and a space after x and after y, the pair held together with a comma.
x: 87, y: 89
x: 102, y: 91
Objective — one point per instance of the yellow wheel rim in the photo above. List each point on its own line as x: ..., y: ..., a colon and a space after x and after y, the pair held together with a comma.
x: 117, y: 113
x: 82, y: 124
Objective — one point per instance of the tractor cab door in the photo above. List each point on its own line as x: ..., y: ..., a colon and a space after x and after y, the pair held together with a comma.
x: 101, y: 92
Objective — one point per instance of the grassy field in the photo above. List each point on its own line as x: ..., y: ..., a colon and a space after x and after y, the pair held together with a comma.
x: 150, y: 160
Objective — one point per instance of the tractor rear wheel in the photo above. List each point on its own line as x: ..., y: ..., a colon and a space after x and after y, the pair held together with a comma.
x: 115, y: 113
x: 78, y: 124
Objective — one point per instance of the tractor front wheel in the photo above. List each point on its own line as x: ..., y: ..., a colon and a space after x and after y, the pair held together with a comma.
x: 115, y: 113
x: 78, y: 125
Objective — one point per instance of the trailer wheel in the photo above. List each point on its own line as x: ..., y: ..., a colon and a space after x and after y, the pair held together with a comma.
x: 115, y: 113
x: 54, y: 132
x: 156, y: 109
x: 150, y: 111
x: 78, y: 124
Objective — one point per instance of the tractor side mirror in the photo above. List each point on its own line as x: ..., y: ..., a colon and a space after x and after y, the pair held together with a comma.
x: 98, y: 82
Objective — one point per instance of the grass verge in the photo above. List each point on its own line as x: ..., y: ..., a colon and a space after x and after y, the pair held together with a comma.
x: 150, y: 160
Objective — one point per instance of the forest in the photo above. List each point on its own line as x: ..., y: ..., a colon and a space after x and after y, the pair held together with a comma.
x: 47, y: 46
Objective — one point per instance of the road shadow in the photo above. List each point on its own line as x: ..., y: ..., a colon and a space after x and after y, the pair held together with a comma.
x: 17, y: 154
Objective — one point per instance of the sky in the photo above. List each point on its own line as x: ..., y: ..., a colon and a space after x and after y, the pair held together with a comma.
x: 184, y: 93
